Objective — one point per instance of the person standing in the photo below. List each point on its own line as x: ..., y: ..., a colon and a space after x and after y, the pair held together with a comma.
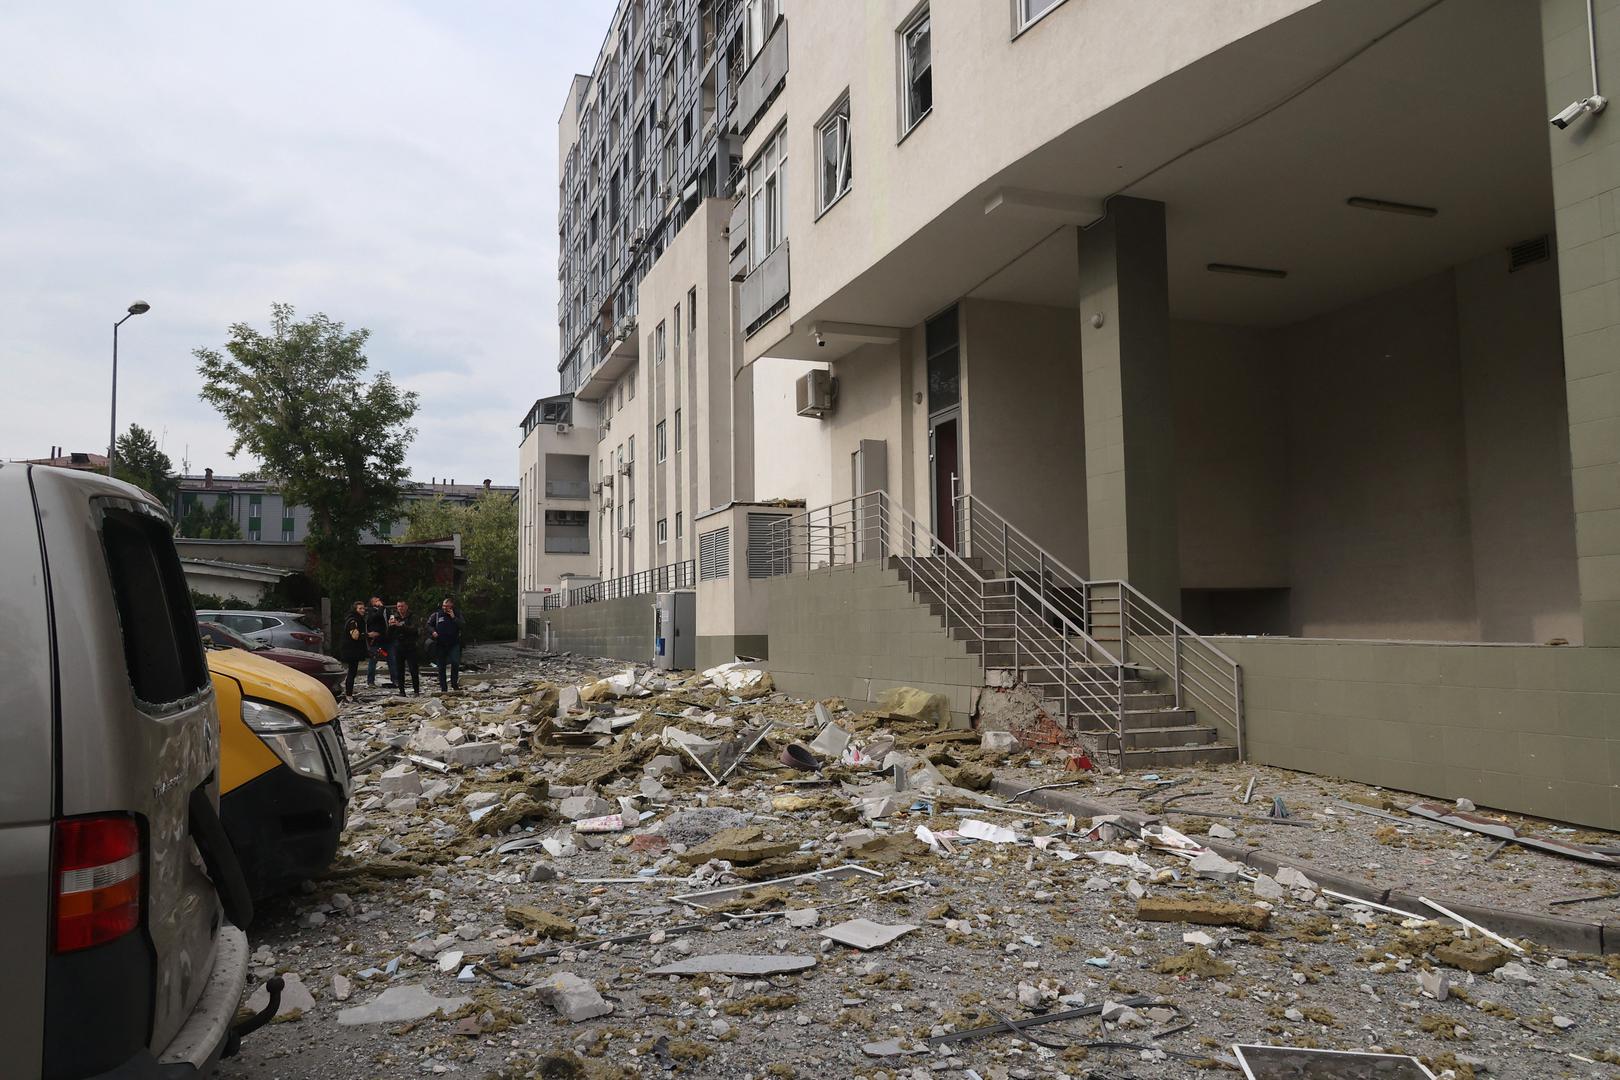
x: 402, y: 648
x: 376, y: 638
x: 444, y: 638
x: 352, y: 647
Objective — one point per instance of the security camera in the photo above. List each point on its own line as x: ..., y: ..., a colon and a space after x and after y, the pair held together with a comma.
x: 821, y: 342
x: 1593, y: 104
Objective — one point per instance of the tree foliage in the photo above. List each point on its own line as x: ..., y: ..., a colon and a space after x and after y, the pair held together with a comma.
x: 489, y: 540
x: 328, y: 434
x: 140, y: 462
x: 210, y: 522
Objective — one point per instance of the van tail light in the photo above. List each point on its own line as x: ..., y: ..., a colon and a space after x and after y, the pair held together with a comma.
x: 98, y: 880
x: 306, y: 638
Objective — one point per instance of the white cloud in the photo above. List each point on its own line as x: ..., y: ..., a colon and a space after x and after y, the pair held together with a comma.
x: 393, y: 165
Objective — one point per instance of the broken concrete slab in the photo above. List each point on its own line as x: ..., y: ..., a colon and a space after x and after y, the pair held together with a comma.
x: 575, y: 999
x: 1210, y: 865
x: 469, y: 755
x: 831, y: 742
x: 401, y: 780
x: 400, y: 1004
x: 540, y: 921
x: 803, y: 918
x: 736, y: 964
x: 580, y: 807
x: 865, y: 934
x: 745, y: 845
x: 1202, y: 912
x: 1477, y: 955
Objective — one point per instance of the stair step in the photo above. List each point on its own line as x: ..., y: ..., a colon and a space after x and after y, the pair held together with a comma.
x: 1156, y: 758
x: 1189, y: 735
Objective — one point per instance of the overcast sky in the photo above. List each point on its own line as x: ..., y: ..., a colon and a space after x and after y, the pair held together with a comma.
x: 392, y: 164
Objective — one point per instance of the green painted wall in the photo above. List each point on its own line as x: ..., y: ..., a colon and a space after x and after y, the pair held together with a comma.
x: 1527, y: 728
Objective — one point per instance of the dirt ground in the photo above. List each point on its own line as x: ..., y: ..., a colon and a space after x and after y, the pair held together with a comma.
x: 1005, y: 929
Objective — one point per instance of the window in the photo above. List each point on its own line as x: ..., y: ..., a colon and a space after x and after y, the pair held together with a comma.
x: 677, y: 431
x: 691, y: 313
x: 766, y: 212
x: 663, y: 530
x: 568, y: 532
x: 162, y: 654
x: 714, y: 554
x: 944, y: 362
x: 630, y: 516
x: 630, y: 449
x: 630, y: 384
x: 620, y: 406
x: 758, y: 19
x: 658, y: 345
x: 1027, y: 11
x: 679, y: 532
x: 916, y: 51
x: 287, y: 528
x: 660, y: 441
x: 832, y: 137
x: 675, y: 332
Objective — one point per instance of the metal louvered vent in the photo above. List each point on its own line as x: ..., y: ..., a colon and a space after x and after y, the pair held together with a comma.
x: 761, y: 553
x: 1528, y: 252
x: 714, y: 554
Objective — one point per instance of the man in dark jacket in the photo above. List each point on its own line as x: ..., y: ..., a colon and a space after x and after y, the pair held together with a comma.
x: 376, y: 637
x: 444, y: 639
x: 352, y: 644
x: 402, y: 645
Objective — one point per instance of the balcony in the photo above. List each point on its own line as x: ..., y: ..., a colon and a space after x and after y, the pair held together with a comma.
x: 617, y: 355
x: 760, y: 83
x: 568, y: 489
x: 765, y: 290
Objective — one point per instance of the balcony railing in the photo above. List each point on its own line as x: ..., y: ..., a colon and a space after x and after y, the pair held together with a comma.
x: 681, y: 575
x: 568, y: 489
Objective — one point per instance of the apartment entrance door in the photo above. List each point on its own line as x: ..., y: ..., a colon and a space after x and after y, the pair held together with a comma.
x: 946, y: 474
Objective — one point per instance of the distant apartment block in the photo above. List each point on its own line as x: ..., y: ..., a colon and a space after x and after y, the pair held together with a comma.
x: 261, y: 513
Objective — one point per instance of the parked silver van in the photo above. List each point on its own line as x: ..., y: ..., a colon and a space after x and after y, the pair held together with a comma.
x: 119, y: 958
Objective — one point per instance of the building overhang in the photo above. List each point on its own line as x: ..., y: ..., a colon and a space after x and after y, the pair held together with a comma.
x: 620, y: 357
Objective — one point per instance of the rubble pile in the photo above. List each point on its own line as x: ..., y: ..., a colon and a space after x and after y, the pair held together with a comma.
x: 576, y: 868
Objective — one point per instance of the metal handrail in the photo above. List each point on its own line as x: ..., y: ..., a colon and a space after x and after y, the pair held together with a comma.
x: 1196, y: 667
x: 870, y: 527
x: 680, y: 575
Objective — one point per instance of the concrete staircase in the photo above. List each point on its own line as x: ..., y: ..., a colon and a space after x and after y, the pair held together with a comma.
x: 1131, y: 710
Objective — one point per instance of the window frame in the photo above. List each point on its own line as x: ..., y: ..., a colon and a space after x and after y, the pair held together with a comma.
x: 663, y: 530
x: 838, y: 113
x: 767, y: 203
x: 1021, y: 24
x: 661, y: 442
x: 908, y: 122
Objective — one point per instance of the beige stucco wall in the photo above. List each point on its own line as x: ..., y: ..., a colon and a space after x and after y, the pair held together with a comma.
x: 1022, y: 403
x: 537, y: 570
x: 1001, y: 96
x: 1525, y: 728
x: 792, y: 453
x: 874, y: 389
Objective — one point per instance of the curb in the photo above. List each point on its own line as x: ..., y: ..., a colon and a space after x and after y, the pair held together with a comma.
x: 1551, y: 931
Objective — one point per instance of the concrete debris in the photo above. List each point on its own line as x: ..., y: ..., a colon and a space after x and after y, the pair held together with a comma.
x: 864, y: 934
x: 736, y: 964
x: 998, y: 742
x: 401, y: 780
x: 608, y: 823
x: 1471, y: 954
x: 470, y: 755
x: 579, y: 807
x: 1267, y: 888
x: 740, y: 679
x: 1202, y: 912
x: 831, y: 742
x: 1221, y: 832
x: 983, y: 830
x: 803, y: 918
x: 572, y: 997
x: 399, y: 1004
x: 1211, y: 865
x: 539, y: 921
x: 1436, y: 984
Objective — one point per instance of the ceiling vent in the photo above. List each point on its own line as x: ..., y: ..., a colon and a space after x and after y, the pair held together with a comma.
x: 1528, y: 252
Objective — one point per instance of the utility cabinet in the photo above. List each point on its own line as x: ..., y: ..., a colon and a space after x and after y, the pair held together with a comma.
x: 675, y: 631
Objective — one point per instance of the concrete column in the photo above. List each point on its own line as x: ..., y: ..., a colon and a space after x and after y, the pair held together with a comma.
x: 1586, y: 197
x: 1129, y: 411
x: 742, y: 428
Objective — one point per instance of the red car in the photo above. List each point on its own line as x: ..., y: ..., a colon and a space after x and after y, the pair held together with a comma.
x: 324, y: 669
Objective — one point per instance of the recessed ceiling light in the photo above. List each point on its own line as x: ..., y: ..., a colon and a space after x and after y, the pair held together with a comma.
x: 1251, y: 271
x: 1361, y: 202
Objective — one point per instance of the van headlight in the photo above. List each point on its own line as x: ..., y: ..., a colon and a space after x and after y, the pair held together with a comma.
x: 287, y: 736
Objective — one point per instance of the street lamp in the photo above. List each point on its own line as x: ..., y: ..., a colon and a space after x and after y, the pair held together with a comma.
x: 139, y: 307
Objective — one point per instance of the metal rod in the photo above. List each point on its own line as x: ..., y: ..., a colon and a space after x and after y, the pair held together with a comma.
x: 1591, y: 40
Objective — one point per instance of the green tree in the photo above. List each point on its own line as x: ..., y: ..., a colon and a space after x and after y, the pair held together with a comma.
x: 331, y: 436
x: 215, y: 522
x: 489, y: 541
x: 140, y: 462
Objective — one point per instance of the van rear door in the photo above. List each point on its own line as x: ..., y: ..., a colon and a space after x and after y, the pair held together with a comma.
x: 137, y: 737
x: 27, y: 793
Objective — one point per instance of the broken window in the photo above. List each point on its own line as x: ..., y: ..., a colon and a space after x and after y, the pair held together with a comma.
x: 162, y: 652
x: 833, y: 138
x: 916, y: 46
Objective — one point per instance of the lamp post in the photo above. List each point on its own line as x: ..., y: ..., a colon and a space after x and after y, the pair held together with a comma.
x: 139, y: 307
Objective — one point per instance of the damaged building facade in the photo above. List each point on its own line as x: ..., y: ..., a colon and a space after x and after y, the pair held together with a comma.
x: 690, y: 447
x: 1248, y: 387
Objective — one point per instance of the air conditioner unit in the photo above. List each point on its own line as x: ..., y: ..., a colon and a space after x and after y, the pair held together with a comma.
x: 564, y: 428
x: 627, y: 531
x: 624, y: 468
x: 607, y: 481
x: 816, y: 392
x: 596, y: 488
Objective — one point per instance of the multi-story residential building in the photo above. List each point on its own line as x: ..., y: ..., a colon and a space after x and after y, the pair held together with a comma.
x: 648, y: 146
x: 1293, y: 315
x: 261, y: 513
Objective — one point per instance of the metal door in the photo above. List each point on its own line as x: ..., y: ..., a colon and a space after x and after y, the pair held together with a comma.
x: 945, y: 474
